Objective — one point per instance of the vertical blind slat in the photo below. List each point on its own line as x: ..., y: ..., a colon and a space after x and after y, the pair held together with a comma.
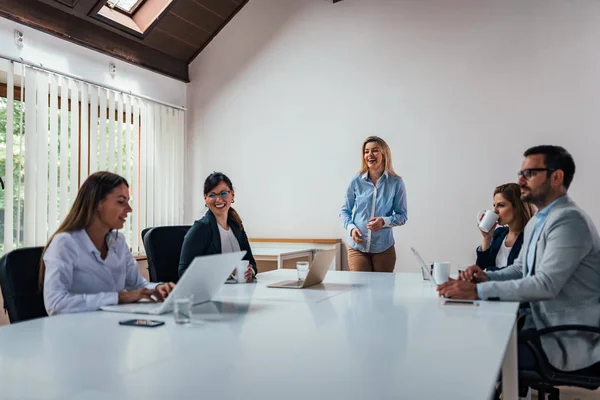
x: 84, y: 134
x: 102, y: 130
x: 150, y: 117
x: 135, y: 243
x: 41, y: 191
x: 8, y: 179
x: 30, y: 158
x: 74, y: 133
x: 142, y: 163
x: 111, y: 132
x: 64, y: 147
x: 53, y: 157
x: 93, y: 129
x: 119, y: 169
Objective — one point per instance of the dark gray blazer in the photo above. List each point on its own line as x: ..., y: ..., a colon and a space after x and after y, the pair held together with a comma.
x: 204, y: 239
x: 564, y: 287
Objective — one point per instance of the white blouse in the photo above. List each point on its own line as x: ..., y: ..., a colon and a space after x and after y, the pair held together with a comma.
x: 503, y: 253
x: 77, y: 279
x: 229, y: 243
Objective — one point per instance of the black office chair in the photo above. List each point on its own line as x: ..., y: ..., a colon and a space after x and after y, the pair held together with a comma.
x: 163, y: 248
x: 547, y: 378
x: 19, y: 271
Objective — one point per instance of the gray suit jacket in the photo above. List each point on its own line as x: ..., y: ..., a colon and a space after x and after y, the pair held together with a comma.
x: 564, y: 288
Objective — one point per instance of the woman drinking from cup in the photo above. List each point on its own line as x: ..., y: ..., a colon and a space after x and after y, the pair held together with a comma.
x: 220, y: 230
x: 375, y: 202
x: 502, y: 242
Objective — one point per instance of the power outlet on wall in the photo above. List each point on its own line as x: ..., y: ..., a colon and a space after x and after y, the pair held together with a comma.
x: 19, y: 38
x: 112, y: 68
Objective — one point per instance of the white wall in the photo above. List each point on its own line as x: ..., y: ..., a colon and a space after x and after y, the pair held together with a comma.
x: 70, y: 58
x: 282, y: 99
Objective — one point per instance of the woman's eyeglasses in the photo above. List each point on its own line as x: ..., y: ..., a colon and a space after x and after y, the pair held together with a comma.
x: 224, y: 194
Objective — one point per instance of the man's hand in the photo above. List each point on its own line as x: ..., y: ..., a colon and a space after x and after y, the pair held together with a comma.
x: 455, y: 289
x: 473, y: 274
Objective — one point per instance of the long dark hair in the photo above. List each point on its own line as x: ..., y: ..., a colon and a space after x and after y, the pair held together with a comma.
x: 211, y: 182
x: 95, y: 189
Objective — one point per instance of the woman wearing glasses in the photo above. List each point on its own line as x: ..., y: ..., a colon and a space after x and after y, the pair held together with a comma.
x: 501, y: 246
x: 375, y: 202
x: 220, y: 230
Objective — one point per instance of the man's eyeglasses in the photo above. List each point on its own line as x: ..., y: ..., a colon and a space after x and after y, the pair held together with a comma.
x: 529, y: 172
x: 224, y: 194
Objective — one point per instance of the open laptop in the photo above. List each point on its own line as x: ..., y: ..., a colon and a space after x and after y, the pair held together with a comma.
x: 430, y: 277
x: 316, y: 272
x: 426, y: 273
x: 203, y: 279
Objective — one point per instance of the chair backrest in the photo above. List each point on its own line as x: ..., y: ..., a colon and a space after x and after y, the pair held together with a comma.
x: 19, y: 272
x: 163, y: 248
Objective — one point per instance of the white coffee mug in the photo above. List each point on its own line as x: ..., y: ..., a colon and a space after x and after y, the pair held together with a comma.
x: 240, y: 271
x: 441, y: 272
x: 488, y: 221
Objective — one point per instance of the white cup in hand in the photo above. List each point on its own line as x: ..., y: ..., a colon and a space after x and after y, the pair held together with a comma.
x: 240, y: 271
x: 441, y: 272
x: 487, y: 219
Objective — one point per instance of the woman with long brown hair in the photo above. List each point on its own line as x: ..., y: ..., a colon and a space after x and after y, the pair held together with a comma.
x: 501, y: 246
x: 220, y: 230
x: 375, y: 202
x: 87, y: 264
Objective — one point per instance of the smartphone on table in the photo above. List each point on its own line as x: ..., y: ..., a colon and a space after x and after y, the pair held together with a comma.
x: 147, y: 323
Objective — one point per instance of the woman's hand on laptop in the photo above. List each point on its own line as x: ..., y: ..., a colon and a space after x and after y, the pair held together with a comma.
x: 473, y: 274
x: 134, y: 296
x: 165, y: 289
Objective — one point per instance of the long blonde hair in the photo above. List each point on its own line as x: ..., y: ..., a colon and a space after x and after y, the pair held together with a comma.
x: 95, y: 188
x: 387, y: 155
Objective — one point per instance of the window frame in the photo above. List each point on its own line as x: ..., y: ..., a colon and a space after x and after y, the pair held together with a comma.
x: 131, y: 11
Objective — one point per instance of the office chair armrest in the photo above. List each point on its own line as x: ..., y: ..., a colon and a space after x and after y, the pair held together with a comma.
x: 562, y: 328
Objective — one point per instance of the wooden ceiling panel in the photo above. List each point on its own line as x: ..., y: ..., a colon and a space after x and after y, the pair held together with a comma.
x: 200, y: 16
x: 167, y: 46
x: 185, y: 30
x: 70, y: 3
x: 222, y: 8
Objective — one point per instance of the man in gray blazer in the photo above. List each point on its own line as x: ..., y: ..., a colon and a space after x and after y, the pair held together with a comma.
x: 558, y: 269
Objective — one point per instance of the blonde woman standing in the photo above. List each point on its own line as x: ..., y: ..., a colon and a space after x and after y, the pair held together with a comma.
x: 375, y: 202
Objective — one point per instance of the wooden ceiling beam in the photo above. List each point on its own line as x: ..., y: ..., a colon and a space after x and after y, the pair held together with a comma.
x: 85, y: 6
x: 56, y: 22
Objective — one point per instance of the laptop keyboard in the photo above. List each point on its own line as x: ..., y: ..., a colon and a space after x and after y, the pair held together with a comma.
x: 141, y: 307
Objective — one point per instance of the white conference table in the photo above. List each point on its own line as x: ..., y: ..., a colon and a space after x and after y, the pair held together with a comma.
x: 357, y: 336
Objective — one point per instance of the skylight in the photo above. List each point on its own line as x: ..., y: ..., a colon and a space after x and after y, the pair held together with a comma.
x: 127, y: 6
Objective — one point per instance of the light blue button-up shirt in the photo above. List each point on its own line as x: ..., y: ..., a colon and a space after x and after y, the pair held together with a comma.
x: 77, y: 279
x: 364, y: 201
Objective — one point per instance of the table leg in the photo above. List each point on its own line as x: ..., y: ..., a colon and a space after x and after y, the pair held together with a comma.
x: 510, y: 375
